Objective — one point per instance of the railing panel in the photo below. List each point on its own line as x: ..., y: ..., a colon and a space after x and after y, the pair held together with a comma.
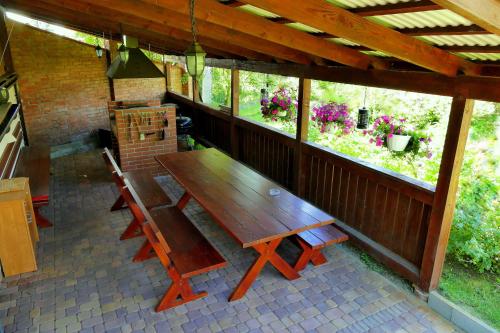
x: 386, y: 208
x: 267, y: 151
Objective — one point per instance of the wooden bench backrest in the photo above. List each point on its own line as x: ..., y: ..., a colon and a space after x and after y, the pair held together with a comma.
x: 110, y: 162
x: 133, y: 200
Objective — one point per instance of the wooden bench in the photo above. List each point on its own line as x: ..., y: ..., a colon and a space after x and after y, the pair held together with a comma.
x: 152, y: 195
x: 183, y: 251
x: 312, y: 241
x: 34, y: 163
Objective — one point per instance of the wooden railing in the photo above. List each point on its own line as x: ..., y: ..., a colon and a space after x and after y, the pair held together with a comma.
x: 385, y: 213
x: 266, y: 150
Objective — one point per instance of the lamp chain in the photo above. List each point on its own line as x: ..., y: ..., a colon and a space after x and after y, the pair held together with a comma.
x: 193, y: 20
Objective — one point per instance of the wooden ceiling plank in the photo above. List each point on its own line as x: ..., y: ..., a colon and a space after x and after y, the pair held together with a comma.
x: 484, y: 13
x: 236, y: 20
x: 448, y: 30
x: 339, y: 22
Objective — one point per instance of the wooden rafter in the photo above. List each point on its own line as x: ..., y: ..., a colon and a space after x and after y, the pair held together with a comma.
x: 154, y: 17
x: 236, y: 20
x: 96, y: 25
x: 485, y: 13
x: 178, y: 28
x: 340, y: 22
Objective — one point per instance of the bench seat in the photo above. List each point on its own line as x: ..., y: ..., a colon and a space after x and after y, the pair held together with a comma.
x: 148, y: 189
x: 191, y: 252
x: 313, y: 240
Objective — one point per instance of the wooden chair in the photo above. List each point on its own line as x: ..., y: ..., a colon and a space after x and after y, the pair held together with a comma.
x: 182, y: 249
x: 312, y: 241
x: 151, y: 193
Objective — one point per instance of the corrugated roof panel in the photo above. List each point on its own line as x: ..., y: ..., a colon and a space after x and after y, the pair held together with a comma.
x: 302, y: 27
x: 427, y: 19
x: 257, y: 11
x: 343, y: 41
x: 364, y: 3
x: 480, y: 56
x: 463, y: 40
x: 375, y: 53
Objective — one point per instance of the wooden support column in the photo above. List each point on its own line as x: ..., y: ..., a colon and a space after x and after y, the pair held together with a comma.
x: 235, y: 111
x: 8, y: 64
x: 196, y: 91
x: 302, y: 133
x: 445, y: 195
x: 108, y: 44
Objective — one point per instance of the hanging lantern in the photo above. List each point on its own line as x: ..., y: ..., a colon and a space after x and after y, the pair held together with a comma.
x: 195, y: 55
x: 363, y: 117
x: 264, y: 94
x: 98, y: 51
x: 195, y: 59
x: 123, y: 52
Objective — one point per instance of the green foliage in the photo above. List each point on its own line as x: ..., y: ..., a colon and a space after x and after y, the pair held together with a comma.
x: 475, y: 239
x: 479, y: 293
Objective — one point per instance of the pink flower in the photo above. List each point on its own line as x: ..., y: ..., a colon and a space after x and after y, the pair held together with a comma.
x: 390, y: 135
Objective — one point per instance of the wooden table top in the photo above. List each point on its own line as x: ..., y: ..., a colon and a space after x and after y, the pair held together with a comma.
x: 238, y: 197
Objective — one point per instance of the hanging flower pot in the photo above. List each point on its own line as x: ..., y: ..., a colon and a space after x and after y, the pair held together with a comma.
x: 397, y: 142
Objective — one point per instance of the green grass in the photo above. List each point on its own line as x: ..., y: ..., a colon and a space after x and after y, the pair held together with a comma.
x: 478, y: 293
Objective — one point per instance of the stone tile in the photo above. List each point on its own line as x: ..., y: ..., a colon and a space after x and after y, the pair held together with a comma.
x: 87, y: 282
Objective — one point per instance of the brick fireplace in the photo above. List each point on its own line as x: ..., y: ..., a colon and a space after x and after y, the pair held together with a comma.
x: 142, y: 129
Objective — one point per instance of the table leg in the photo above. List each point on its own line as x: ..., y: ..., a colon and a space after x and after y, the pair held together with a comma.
x: 267, y: 254
x: 183, y: 200
x: 41, y: 220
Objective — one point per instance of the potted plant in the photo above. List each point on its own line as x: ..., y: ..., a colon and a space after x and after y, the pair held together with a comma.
x: 333, y: 115
x: 398, y: 137
x: 279, y: 107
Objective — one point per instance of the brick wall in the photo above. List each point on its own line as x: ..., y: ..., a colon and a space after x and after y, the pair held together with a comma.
x: 64, y: 87
x: 62, y: 83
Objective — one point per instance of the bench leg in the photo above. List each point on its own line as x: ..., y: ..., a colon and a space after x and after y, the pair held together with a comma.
x: 133, y: 230
x: 145, y: 252
x: 178, y: 293
x: 118, y: 204
x: 183, y: 200
x: 41, y: 220
x: 308, y: 254
x: 318, y: 258
x: 267, y: 254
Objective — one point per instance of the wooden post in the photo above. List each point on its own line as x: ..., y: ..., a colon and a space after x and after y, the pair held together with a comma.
x: 235, y: 111
x: 302, y: 132
x: 445, y: 196
x: 108, y: 44
x: 196, y: 90
x: 4, y: 40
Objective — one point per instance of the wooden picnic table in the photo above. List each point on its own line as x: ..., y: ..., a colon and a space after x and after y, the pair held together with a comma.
x: 238, y: 199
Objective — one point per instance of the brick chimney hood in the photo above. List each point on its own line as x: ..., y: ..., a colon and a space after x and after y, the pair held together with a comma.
x: 138, y: 65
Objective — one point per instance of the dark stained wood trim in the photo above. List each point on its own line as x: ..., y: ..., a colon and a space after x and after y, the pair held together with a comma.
x: 303, y: 106
x: 448, y: 30
x: 235, y: 111
x: 483, y: 88
x: 445, y: 197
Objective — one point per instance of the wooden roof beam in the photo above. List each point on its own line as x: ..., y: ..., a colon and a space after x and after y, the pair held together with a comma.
x: 179, y: 28
x: 236, y: 20
x: 96, y: 25
x: 342, y: 23
x: 154, y: 17
x: 484, y: 13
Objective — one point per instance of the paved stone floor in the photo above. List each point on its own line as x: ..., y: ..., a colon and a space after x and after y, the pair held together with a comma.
x: 87, y: 282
